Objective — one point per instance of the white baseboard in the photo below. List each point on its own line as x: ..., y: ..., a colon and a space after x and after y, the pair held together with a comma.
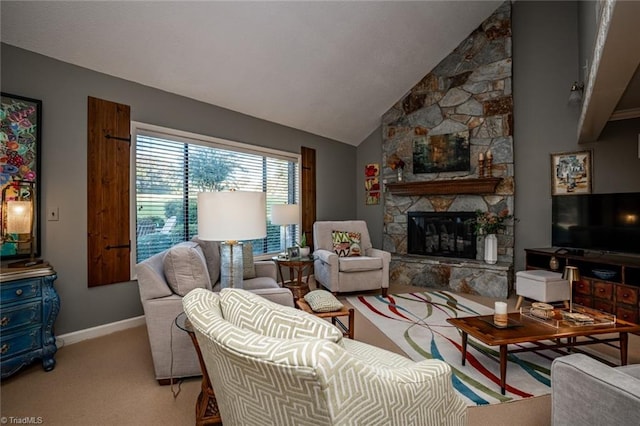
x: 101, y: 330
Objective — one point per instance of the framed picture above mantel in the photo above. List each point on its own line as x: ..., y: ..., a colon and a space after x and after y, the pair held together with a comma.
x: 571, y: 173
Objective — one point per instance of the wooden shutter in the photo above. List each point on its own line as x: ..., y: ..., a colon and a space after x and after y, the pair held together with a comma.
x: 308, y: 192
x: 109, y: 145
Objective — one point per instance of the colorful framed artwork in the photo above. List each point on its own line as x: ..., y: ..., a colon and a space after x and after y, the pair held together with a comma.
x: 571, y: 173
x: 20, y: 137
x: 442, y: 153
x: 372, y: 183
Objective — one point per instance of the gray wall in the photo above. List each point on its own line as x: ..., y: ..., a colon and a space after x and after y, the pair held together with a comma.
x: 370, y: 151
x: 545, y: 61
x: 63, y: 89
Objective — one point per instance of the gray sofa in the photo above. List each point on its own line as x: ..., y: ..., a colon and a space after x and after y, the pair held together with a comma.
x: 166, y: 277
x: 585, y: 391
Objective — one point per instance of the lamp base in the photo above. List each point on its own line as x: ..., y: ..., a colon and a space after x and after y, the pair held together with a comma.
x: 27, y: 263
x: 231, y: 270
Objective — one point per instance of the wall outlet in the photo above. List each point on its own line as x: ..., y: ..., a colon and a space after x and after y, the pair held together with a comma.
x: 53, y: 214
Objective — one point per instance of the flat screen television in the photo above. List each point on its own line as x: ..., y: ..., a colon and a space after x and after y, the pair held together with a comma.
x: 598, y: 222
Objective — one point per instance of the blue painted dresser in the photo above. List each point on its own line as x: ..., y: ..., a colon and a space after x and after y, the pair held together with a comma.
x: 29, y: 305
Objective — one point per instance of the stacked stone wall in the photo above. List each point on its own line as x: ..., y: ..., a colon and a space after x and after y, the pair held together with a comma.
x: 468, y: 91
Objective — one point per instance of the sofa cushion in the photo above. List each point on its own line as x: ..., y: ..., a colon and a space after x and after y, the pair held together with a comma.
x: 361, y: 263
x: 185, y: 268
x: 248, y: 267
x: 259, y: 315
x: 346, y: 244
x: 322, y: 301
x: 211, y: 250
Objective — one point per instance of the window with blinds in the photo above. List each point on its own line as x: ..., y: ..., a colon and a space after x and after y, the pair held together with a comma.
x: 171, y: 167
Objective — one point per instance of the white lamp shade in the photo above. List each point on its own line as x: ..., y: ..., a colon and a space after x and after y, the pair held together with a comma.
x: 231, y: 216
x: 19, y: 217
x: 285, y: 214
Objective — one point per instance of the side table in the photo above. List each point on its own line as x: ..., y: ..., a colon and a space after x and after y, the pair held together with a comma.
x: 297, y: 268
x: 207, y: 412
x: 347, y: 330
x: 29, y: 304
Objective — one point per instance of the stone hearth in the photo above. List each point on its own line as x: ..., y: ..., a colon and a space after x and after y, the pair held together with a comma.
x: 462, y: 276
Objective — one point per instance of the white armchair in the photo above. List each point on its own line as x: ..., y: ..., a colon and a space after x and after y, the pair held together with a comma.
x: 271, y: 364
x: 369, y: 270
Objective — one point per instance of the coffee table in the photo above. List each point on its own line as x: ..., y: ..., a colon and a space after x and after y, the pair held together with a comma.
x: 527, y: 330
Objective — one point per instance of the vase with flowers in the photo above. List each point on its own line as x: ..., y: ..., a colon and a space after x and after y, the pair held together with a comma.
x: 395, y: 163
x: 488, y: 224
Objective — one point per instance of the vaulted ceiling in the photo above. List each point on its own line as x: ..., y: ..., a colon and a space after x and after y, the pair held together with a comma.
x: 328, y: 68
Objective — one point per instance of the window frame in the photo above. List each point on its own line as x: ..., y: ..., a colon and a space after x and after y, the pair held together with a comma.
x: 206, y: 141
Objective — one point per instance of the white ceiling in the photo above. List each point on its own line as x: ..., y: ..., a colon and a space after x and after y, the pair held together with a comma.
x: 329, y: 68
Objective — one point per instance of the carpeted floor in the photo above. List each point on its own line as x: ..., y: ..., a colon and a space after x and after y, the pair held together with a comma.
x: 109, y: 381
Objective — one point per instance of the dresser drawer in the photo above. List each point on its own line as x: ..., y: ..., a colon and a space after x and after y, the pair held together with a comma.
x: 627, y: 295
x: 627, y: 314
x: 604, y: 305
x: 20, y: 290
x: 25, y: 314
x: 603, y: 290
x: 582, y: 287
x: 17, y: 343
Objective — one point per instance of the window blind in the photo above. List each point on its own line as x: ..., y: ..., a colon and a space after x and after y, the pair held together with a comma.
x: 171, y: 168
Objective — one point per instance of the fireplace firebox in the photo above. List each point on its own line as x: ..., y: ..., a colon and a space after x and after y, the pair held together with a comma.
x: 449, y: 234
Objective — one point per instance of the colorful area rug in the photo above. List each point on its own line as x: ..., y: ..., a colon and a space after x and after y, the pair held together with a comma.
x: 416, y: 322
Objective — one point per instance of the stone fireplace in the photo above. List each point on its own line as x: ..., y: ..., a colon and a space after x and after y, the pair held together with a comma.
x: 468, y: 93
x: 448, y: 234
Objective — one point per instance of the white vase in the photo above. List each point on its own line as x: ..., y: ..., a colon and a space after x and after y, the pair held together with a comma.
x: 491, y: 249
x: 400, y: 174
x: 304, y: 251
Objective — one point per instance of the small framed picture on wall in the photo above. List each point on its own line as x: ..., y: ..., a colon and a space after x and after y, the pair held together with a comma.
x: 571, y: 173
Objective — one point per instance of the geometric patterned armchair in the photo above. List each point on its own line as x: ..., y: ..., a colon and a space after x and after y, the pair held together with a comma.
x: 272, y: 364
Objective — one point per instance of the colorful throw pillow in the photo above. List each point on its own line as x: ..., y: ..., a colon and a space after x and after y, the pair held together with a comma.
x: 322, y: 301
x: 346, y: 244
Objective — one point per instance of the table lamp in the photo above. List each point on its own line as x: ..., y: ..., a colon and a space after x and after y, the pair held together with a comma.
x: 285, y: 214
x: 17, y: 219
x: 229, y: 217
x: 571, y: 274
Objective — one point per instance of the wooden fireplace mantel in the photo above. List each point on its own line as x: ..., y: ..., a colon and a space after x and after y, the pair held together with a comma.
x: 446, y: 187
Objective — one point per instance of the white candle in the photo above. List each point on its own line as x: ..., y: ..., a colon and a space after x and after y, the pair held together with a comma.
x: 489, y: 154
x: 500, y: 315
x: 481, y: 156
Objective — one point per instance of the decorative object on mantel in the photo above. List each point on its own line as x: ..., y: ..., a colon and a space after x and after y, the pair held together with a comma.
x: 396, y: 163
x: 445, y: 187
x: 481, y: 165
x: 489, y: 163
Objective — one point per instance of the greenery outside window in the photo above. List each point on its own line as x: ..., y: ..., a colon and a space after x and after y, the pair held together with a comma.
x: 172, y: 166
